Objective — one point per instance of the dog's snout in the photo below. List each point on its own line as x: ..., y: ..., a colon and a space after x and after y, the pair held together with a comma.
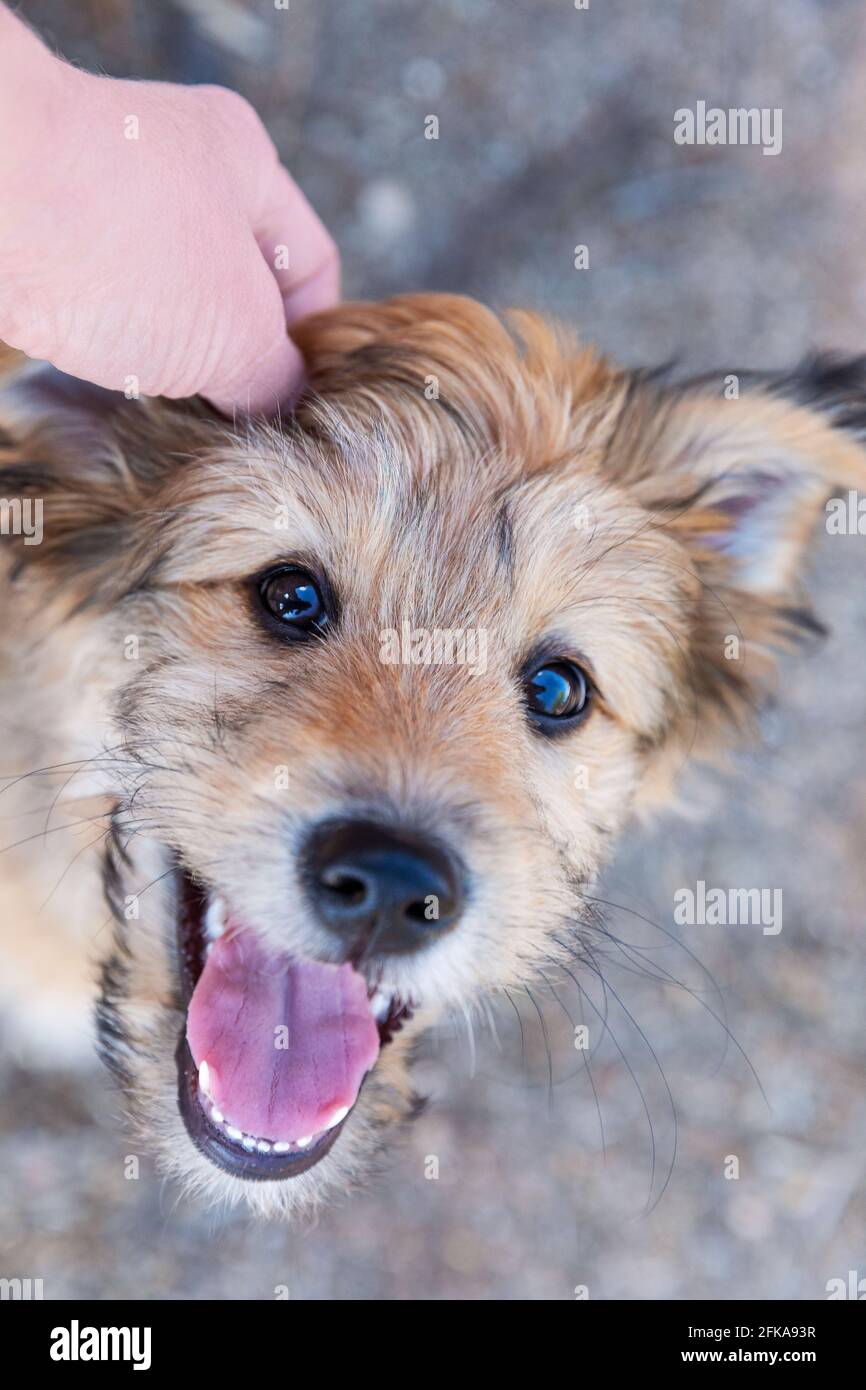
x: 382, y: 890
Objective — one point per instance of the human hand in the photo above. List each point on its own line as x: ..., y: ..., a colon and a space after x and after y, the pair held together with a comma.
x: 150, y: 240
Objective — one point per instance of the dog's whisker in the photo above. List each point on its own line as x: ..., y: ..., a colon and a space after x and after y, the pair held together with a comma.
x: 55, y: 830
x: 470, y: 1037
x: 626, y: 1063
x: 586, y: 1058
x: 676, y: 944
x: 73, y: 861
x: 667, y: 978
x: 661, y: 1071
x: 546, y: 1036
x: 508, y: 996
x: 55, y: 769
x: 655, y: 970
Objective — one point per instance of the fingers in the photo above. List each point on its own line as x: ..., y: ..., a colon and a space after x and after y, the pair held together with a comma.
x: 321, y: 291
x: 273, y: 382
x: 297, y: 273
x: 300, y: 252
x: 260, y: 369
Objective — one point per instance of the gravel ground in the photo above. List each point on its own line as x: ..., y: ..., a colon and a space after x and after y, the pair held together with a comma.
x: 556, y: 129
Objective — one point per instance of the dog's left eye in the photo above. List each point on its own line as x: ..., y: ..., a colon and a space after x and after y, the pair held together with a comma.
x: 294, y: 598
x: 556, y: 692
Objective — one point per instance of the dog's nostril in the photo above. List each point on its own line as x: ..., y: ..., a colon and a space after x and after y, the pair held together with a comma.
x: 389, y: 889
x: 344, y: 886
x: 420, y: 911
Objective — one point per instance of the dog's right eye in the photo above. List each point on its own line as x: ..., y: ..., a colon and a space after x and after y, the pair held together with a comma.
x: 294, y: 599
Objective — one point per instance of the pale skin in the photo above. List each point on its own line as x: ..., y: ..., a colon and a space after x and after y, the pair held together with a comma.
x: 150, y: 240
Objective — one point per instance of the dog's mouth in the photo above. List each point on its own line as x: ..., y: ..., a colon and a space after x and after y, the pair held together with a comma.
x: 275, y: 1048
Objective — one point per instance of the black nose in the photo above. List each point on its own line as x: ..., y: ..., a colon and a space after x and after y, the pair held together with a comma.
x: 382, y: 890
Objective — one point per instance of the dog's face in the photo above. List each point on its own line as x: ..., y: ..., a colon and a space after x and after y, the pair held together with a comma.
x: 380, y: 686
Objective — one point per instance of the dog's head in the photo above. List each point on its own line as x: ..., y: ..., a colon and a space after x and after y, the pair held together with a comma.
x: 379, y: 685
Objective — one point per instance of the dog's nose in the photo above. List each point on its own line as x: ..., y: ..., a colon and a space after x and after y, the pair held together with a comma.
x: 383, y: 890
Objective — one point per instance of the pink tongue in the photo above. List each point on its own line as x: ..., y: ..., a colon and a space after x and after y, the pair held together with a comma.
x: 287, y: 1042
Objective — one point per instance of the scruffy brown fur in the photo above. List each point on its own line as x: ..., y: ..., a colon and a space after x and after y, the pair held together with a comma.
x: 443, y: 467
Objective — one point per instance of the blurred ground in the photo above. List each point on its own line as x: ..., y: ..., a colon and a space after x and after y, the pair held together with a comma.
x: 556, y: 129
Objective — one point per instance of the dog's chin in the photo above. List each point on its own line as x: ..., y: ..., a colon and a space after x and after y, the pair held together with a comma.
x: 148, y: 984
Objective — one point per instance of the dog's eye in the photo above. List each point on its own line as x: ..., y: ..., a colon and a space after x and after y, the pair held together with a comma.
x: 295, y: 599
x: 556, y: 692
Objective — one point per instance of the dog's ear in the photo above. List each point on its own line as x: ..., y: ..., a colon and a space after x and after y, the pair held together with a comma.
x: 79, y: 469
x: 745, y: 477
x: 739, y: 469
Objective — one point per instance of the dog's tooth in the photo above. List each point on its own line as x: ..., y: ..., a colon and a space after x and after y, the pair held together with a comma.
x: 263, y: 1146
x: 302, y: 1143
x: 248, y: 1142
x: 381, y: 1005
x: 206, y: 1079
x: 217, y: 1115
x: 215, y: 919
x: 233, y: 1133
x: 281, y: 1147
x: 337, y: 1117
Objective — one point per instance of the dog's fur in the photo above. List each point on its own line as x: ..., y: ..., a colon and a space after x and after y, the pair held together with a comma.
x: 442, y: 468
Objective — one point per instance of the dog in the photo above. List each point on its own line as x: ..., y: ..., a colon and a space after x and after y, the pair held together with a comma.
x: 348, y: 709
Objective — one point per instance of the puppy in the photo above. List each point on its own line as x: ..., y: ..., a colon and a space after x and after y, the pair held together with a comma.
x: 364, y: 698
